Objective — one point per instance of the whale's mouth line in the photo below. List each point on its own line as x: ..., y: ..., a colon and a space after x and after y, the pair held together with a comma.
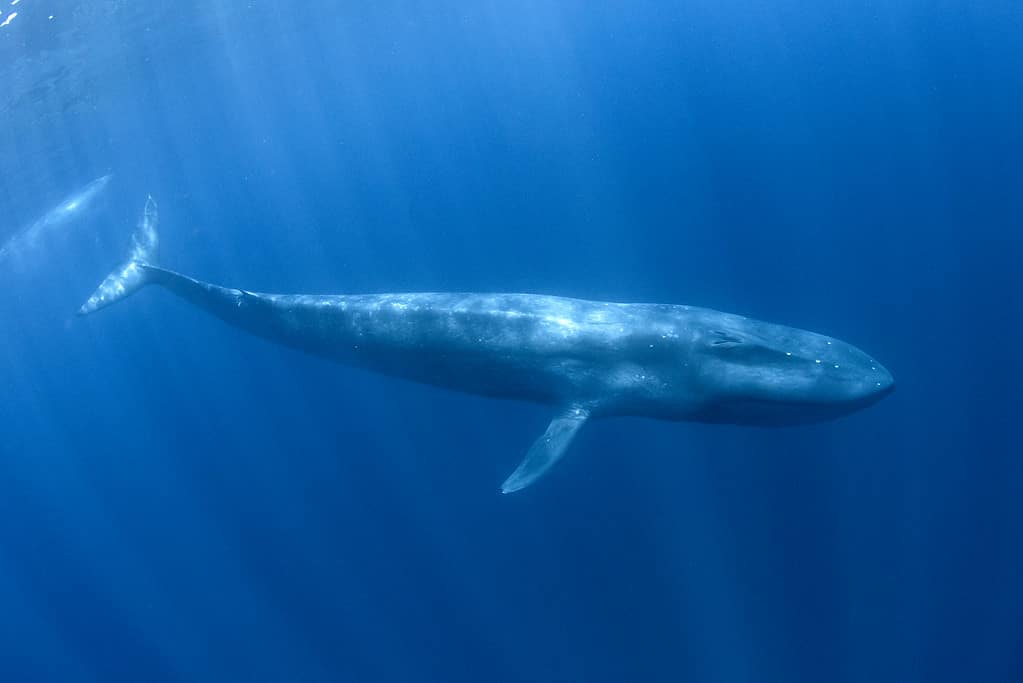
x: 780, y: 413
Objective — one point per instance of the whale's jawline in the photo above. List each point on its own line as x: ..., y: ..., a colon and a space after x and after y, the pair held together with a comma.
x: 768, y: 413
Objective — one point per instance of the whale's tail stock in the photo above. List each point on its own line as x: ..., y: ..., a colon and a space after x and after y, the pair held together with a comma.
x: 134, y: 273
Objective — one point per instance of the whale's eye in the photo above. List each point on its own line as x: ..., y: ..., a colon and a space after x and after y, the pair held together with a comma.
x: 725, y: 340
x: 743, y: 350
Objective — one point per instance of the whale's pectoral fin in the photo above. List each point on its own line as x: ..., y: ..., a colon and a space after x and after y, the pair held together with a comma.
x: 548, y: 449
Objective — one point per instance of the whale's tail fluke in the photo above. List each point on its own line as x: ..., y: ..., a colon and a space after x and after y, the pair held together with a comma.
x: 133, y: 273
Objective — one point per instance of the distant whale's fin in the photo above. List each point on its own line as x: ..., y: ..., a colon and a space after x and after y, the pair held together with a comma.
x: 133, y: 273
x: 548, y: 449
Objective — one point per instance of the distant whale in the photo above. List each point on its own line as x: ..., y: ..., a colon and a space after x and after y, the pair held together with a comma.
x: 585, y: 358
x: 69, y: 208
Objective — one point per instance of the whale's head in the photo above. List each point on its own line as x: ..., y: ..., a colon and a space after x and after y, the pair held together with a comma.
x: 754, y: 372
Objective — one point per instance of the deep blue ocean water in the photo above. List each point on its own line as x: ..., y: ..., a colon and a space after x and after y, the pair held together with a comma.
x: 182, y: 502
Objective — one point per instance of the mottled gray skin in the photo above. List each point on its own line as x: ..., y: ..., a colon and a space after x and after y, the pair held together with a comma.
x: 662, y: 361
x: 585, y: 358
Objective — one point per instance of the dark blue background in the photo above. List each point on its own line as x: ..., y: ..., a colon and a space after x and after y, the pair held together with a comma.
x: 179, y: 501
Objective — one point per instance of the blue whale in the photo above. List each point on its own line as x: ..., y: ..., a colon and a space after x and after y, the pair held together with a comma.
x: 586, y: 359
x: 69, y: 208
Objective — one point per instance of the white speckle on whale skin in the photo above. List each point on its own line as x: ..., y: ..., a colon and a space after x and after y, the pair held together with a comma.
x: 817, y: 361
x: 567, y: 325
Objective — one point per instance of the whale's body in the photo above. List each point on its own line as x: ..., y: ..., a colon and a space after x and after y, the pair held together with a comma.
x: 585, y: 358
x: 69, y: 208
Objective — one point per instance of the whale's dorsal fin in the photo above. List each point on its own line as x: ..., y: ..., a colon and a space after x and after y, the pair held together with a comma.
x: 548, y: 449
